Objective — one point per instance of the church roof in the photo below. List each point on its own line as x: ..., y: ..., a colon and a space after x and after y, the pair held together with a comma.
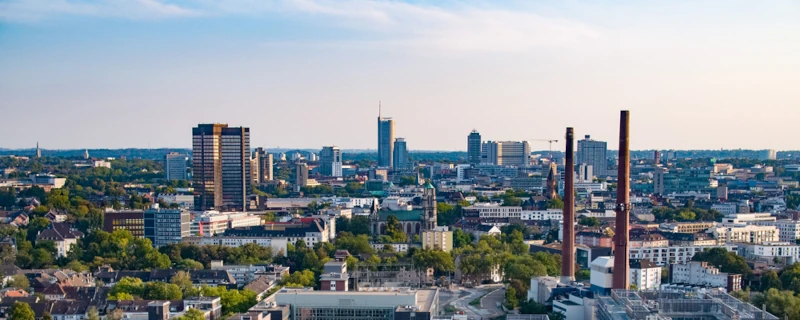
x: 428, y: 186
x: 412, y: 215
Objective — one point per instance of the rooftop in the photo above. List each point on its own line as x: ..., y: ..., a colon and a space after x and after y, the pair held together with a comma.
x: 671, y: 304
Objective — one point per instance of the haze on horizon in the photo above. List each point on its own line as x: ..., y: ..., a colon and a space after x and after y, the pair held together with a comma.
x: 308, y: 73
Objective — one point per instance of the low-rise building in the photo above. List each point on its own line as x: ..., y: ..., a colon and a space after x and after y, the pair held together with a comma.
x: 278, y: 244
x: 785, y: 252
x: 686, y: 227
x: 743, y: 233
x: 549, y: 214
x: 437, y: 239
x: 699, y: 273
x: 383, y: 303
x: 593, y: 239
x: 63, y: 235
x: 788, y: 230
x: 210, y: 223
x: 665, y: 256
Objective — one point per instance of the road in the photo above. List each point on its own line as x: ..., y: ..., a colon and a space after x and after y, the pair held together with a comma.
x: 489, y: 298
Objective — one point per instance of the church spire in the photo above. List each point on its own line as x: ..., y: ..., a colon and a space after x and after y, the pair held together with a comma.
x: 38, y: 151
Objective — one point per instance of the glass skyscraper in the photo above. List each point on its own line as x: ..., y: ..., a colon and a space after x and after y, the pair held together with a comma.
x: 221, y: 164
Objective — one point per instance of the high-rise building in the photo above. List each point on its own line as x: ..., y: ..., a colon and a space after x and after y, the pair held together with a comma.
x: 593, y: 153
x: 401, y: 159
x: 166, y: 226
x: 385, y: 141
x: 301, y: 175
x: 506, y: 153
x: 264, y: 165
x: 585, y: 173
x: 221, y: 164
x: 474, y: 147
x: 38, y: 151
x: 330, y: 161
x: 175, y: 166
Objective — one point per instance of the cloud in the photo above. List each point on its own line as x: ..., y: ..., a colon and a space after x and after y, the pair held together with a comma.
x: 27, y: 11
x: 443, y: 27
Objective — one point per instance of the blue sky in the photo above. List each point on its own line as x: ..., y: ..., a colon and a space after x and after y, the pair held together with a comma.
x: 307, y: 73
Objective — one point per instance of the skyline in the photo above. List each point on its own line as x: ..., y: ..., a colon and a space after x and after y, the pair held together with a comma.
x: 139, y: 74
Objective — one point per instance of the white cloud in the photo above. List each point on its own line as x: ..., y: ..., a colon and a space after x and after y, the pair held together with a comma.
x: 445, y: 28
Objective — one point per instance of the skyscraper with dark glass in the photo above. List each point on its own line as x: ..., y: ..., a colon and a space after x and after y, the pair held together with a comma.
x: 221, y: 164
x: 474, y: 147
x: 401, y: 159
x: 385, y: 141
x: 330, y: 161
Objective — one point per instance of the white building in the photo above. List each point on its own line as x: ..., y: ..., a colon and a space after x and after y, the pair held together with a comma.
x: 175, y: 166
x: 542, y: 289
x: 210, y: 223
x: 278, y: 244
x: 726, y: 208
x: 787, y: 252
x: 645, y: 275
x: 184, y: 200
x: 743, y: 233
x: 399, y: 247
x: 101, y: 164
x: 748, y: 218
x: 788, y: 230
x: 673, y: 254
x: 549, y: 214
x: 48, y: 180
x: 62, y: 235
x: 493, y: 210
x: 699, y: 273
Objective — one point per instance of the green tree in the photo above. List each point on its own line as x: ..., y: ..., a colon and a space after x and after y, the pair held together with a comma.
x: 728, y: 261
x: 439, y: 260
x: 189, y: 265
x: 299, y: 279
x: 158, y: 290
x: 47, y: 316
x: 555, y: 203
x: 511, y: 301
x: 589, y: 221
x: 20, y: 281
x: 395, y: 230
x: 128, y: 285
x: 782, y: 304
x: 21, y: 311
x: 770, y: 280
x: 92, y: 314
x: 183, y: 280
x: 191, y: 314
x: 462, y: 239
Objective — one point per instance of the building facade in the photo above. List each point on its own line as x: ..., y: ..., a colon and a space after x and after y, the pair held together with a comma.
x: 385, y: 142
x: 506, y: 153
x: 699, y: 273
x: 437, y: 239
x: 474, y: 147
x: 221, y: 166
x: 175, y: 166
x: 166, y: 226
x: 330, y: 161
x: 133, y: 221
x: 401, y: 160
x: 593, y: 153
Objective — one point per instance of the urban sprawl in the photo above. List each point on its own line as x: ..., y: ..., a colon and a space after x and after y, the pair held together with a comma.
x: 228, y: 230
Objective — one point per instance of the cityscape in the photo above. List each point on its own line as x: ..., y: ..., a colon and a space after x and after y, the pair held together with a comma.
x: 399, y: 160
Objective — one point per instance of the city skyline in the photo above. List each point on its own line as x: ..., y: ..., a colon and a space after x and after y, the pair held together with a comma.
x: 100, y: 74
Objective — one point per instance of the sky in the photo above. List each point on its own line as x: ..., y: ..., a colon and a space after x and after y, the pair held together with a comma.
x: 307, y: 73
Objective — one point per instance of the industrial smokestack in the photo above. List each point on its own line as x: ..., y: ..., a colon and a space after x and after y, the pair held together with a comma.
x: 621, y: 255
x: 568, y: 247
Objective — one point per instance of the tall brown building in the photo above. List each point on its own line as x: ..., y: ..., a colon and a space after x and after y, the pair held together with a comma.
x: 221, y: 166
x: 132, y: 221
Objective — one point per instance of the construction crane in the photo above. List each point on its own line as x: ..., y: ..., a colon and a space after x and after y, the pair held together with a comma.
x: 550, y: 141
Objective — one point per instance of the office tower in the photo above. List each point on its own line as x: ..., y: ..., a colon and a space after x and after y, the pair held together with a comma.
x: 264, y: 165
x: 221, y: 163
x: 301, y: 175
x: 506, y: 153
x: 166, y: 226
x: 401, y: 160
x: 621, y: 255
x: 593, y: 153
x: 255, y: 174
x: 175, y: 166
x: 474, y: 147
x: 585, y: 173
x: 385, y: 141
x: 568, y: 247
x: 330, y: 161
x: 429, y: 207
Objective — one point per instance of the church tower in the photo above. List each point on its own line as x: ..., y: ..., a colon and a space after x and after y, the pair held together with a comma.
x: 429, y: 207
x: 552, y: 182
x: 38, y: 151
x: 374, y: 217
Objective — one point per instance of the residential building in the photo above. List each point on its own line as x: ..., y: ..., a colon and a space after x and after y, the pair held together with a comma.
x: 175, y: 166
x: 385, y: 141
x: 593, y: 239
x: 649, y: 240
x: 788, y: 230
x: 785, y: 252
x: 301, y: 175
x: 398, y: 247
x: 133, y: 221
x: 63, y: 235
x: 330, y: 161
x: 699, y: 273
x: 166, y: 226
x: 221, y: 167
x: 400, y: 158
x: 593, y: 153
x: 278, y: 244
x: 310, y: 230
x: 48, y: 180
x: 437, y: 239
x: 748, y: 218
x: 506, y: 153
x: 664, y: 256
x: 645, y: 275
x: 474, y: 147
x: 726, y: 208
x: 549, y: 214
x: 742, y: 233
x: 686, y: 227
